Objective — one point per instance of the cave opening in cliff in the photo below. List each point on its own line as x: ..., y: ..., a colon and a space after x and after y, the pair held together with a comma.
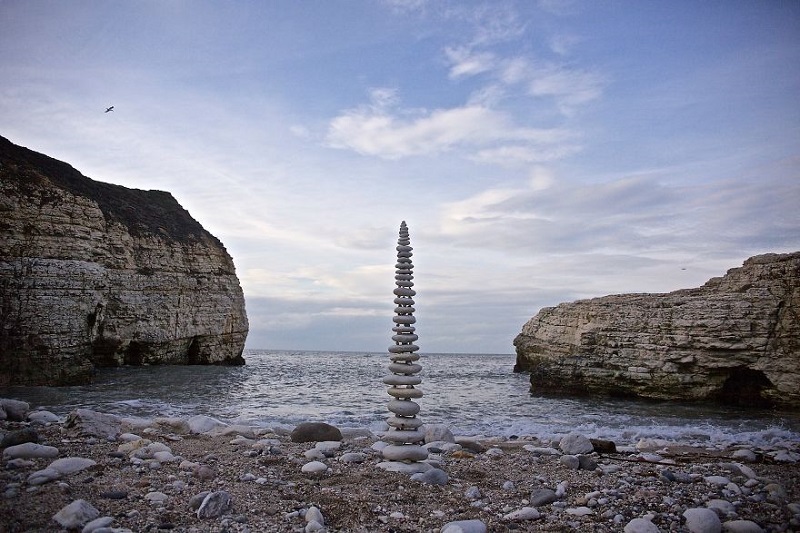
x: 744, y: 386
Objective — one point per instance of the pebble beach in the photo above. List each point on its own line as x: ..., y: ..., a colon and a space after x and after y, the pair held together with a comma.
x: 101, y: 473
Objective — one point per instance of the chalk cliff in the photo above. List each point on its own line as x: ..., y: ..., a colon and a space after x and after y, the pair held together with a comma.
x: 95, y: 274
x: 736, y: 339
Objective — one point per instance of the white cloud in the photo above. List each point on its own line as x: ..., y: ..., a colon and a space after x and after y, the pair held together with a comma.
x: 371, y: 130
x: 466, y: 63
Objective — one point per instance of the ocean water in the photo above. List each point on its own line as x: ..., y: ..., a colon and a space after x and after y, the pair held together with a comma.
x: 473, y: 394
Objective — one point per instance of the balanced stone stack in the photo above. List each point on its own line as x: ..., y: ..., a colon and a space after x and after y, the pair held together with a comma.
x: 404, y: 453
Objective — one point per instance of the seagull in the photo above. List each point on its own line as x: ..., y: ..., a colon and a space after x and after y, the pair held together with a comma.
x: 109, y: 109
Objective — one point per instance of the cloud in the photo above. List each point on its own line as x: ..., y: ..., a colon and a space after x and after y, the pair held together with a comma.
x: 377, y: 131
x: 464, y: 62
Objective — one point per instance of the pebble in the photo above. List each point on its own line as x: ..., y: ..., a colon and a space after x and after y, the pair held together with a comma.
x: 214, y: 505
x: 575, y: 444
x: 156, y: 497
x: 570, y: 461
x: 434, y: 476
x: 745, y: 455
x: 353, y: 457
x: 473, y: 493
x: 59, y: 468
x: 741, y: 526
x: 580, y: 511
x: 722, y: 507
x: 541, y: 497
x: 716, y: 480
x: 313, y: 514
x: 97, y: 523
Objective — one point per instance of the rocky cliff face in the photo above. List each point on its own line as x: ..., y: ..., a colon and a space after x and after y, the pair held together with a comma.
x: 94, y: 274
x: 736, y: 339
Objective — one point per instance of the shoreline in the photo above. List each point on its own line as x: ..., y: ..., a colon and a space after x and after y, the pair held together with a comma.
x: 147, y: 474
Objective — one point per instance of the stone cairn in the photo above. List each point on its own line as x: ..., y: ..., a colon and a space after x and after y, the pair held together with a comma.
x: 404, y: 453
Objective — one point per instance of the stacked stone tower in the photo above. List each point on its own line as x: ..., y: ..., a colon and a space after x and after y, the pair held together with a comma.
x: 404, y: 453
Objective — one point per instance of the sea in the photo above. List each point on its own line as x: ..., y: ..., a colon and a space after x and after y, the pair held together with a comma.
x: 474, y: 394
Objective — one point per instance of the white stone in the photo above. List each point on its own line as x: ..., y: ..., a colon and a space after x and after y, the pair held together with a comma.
x: 702, y: 520
x: 396, y: 379
x: 399, y: 435
x: 156, y: 497
x: 59, y: 468
x: 716, y: 480
x: 204, y: 424
x: 353, y: 457
x: 745, y: 455
x: 404, y: 468
x: 438, y: 432
x: 314, y: 468
x: 411, y: 452
x: 97, y: 523
x: 537, y: 450
x: 404, y: 407
x: 580, y: 511
x: 328, y: 445
x: 313, y: 514
x: 43, y: 417
x: 405, y: 422
x: 464, y: 526
x: 722, y: 507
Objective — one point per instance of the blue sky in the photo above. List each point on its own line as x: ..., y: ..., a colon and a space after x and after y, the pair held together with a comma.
x: 540, y: 152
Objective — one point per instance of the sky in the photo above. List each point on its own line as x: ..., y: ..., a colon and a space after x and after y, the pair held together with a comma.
x: 540, y: 152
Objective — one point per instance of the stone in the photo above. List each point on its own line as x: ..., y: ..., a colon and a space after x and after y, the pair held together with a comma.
x: 434, y: 476
x: 60, y: 468
x: 741, y: 526
x: 520, y: 515
x: 156, y: 497
x: 19, y: 436
x: 76, y: 514
x: 315, y: 432
x: 30, y: 450
x: 570, y: 461
x: 199, y: 424
x: 716, y: 480
x: 745, y: 455
x: 97, y: 523
x: 723, y: 508
x: 197, y: 500
x: 95, y: 257
x: 603, y: 446
x: 641, y: 525
x: 402, y: 467
x: 734, y: 339
x: 314, y: 468
x: 464, y: 526
x: 93, y: 424
x: 313, y: 514
x: 42, y: 417
x: 438, y: 433
x: 215, y: 504
x: 472, y: 493
x: 541, y: 497
x: 702, y: 520
x: 580, y: 511
x: 586, y: 462
x: 575, y: 444
x: 10, y: 409
x: 353, y: 457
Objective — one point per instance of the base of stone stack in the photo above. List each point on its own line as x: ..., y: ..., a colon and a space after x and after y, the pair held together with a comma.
x: 404, y: 468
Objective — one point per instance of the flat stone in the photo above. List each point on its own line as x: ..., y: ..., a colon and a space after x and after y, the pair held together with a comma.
x: 403, y: 407
x: 741, y: 526
x: 43, y: 417
x: 30, y: 450
x: 404, y: 468
x: 353, y: 457
x: 434, y: 476
x: 97, y: 523
x: 570, y: 461
x: 722, y: 507
x: 199, y: 424
x: 520, y: 515
x: 314, y: 468
x: 580, y: 511
x: 214, y: 505
x: 405, y: 422
x: 464, y: 526
x: 399, y: 435
x: 76, y: 514
x: 541, y: 497
x: 394, y: 452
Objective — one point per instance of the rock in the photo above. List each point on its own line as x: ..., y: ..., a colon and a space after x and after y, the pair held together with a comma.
x: 723, y: 508
x: 472, y: 493
x: 214, y: 505
x: 570, y: 461
x: 734, y: 339
x: 641, y: 525
x: 580, y: 511
x: 603, y: 446
x: 470, y: 443
x: 20, y: 436
x: 575, y: 444
x: 94, y: 424
x: 60, y: 468
x: 199, y: 424
x: 520, y: 515
x: 745, y: 455
x: 314, y: 468
x: 42, y: 418
x: 156, y: 497
x: 76, y: 514
x: 97, y: 523
x: 353, y: 457
x: 315, y: 432
x: 30, y: 450
x: 716, y: 480
x: 197, y: 500
x: 464, y: 526
x: 13, y: 410
x: 313, y: 514
x: 96, y: 255
x: 438, y: 432
x: 434, y: 476
x: 236, y: 429
x: 586, y: 462
x: 541, y: 497
x: 741, y: 526
x: 702, y: 520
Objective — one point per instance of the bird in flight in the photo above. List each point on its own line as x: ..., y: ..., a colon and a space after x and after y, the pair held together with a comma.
x: 109, y: 109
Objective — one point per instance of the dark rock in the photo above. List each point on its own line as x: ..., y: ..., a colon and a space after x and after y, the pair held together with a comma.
x: 542, y: 497
x: 603, y: 446
x: 114, y: 494
x: 18, y: 437
x: 586, y: 462
x: 315, y: 432
x: 215, y: 505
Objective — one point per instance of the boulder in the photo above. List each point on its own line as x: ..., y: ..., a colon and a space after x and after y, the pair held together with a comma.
x: 734, y: 340
x: 315, y: 432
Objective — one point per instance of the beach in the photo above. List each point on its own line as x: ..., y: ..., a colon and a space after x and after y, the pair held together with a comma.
x: 154, y: 474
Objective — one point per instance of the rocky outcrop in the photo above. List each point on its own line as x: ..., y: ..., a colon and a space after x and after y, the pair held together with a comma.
x: 95, y: 274
x: 736, y: 339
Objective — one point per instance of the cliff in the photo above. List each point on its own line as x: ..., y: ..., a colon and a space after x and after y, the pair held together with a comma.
x: 95, y: 274
x: 736, y: 340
